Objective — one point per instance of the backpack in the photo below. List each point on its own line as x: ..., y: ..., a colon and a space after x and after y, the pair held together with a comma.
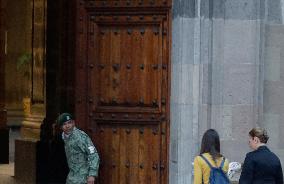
x: 217, y: 175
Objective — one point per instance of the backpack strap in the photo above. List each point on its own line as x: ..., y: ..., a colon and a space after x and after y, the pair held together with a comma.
x: 208, y: 163
x: 222, y: 163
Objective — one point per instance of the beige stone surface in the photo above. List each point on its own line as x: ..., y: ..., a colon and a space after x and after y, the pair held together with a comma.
x: 7, y: 174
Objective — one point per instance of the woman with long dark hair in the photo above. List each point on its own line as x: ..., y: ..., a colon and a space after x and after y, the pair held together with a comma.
x: 209, y: 154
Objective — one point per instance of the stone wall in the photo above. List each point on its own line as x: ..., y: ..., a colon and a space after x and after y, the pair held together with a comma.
x: 226, y: 75
x: 273, y: 76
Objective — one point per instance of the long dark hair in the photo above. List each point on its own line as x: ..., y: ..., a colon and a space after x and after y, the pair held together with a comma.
x: 211, y: 144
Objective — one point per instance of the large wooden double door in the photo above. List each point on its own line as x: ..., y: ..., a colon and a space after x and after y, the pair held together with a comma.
x: 122, y: 86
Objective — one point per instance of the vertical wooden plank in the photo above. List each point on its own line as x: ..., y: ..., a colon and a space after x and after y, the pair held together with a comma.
x: 143, y: 142
x: 81, y: 110
x: 105, y: 69
x: 156, y: 155
x: 108, y: 154
x: 114, y: 53
x: 140, y: 73
x: 117, y: 65
x: 148, y: 53
x: 115, y: 157
x: 104, y: 131
x: 123, y: 172
x: 124, y: 58
x: 149, y: 154
x: 133, y: 138
x: 137, y: 57
x: 131, y: 62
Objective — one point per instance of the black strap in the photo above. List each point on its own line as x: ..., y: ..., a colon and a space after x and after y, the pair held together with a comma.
x: 208, y: 163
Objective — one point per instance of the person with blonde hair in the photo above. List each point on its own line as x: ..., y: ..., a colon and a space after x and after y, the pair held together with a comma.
x: 210, y: 159
x: 261, y: 166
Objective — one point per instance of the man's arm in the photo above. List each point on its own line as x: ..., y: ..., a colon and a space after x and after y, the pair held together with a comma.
x: 197, y: 172
x: 93, y: 159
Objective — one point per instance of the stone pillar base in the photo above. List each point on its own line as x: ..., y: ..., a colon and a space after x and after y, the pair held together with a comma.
x: 25, y: 160
x: 31, y: 127
x: 15, y: 117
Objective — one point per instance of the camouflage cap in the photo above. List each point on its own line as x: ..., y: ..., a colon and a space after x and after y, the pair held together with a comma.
x: 62, y: 118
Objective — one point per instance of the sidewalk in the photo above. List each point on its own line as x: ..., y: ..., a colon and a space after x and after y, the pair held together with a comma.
x: 7, y: 174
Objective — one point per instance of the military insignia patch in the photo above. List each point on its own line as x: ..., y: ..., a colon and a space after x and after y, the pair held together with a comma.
x: 92, y: 149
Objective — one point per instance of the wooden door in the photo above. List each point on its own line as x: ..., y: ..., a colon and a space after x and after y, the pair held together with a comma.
x: 122, y: 87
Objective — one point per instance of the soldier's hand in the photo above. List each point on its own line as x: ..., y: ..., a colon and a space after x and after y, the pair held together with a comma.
x: 91, y: 180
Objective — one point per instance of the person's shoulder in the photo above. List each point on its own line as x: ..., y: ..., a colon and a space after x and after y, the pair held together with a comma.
x: 197, y: 159
x: 83, y: 133
x: 263, y: 151
x: 275, y: 156
x: 201, y: 158
x: 251, y: 155
x: 80, y: 133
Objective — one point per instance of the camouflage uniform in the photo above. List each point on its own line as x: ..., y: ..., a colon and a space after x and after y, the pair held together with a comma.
x: 82, y: 157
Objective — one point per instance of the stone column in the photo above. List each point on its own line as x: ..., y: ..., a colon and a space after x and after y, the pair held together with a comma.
x: 17, y: 81
x: 185, y: 89
x: 273, y: 96
x: 31, y: 125
x: 236, y: 81
x: 26, y: 148
x: 216, y: 77
x: 25, y: 89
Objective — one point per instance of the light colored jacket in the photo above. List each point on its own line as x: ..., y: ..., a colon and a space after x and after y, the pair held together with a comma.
x: 202, y: 170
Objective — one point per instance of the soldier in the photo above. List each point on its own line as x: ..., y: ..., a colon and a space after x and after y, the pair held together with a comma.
x: 82, y: 156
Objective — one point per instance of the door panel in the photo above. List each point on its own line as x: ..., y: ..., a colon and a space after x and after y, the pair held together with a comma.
x: 122, y: 87
x: 128, y: 57
x: 130, y: 154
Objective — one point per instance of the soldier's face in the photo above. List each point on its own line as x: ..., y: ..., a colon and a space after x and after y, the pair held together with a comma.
x: 68, y: 126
